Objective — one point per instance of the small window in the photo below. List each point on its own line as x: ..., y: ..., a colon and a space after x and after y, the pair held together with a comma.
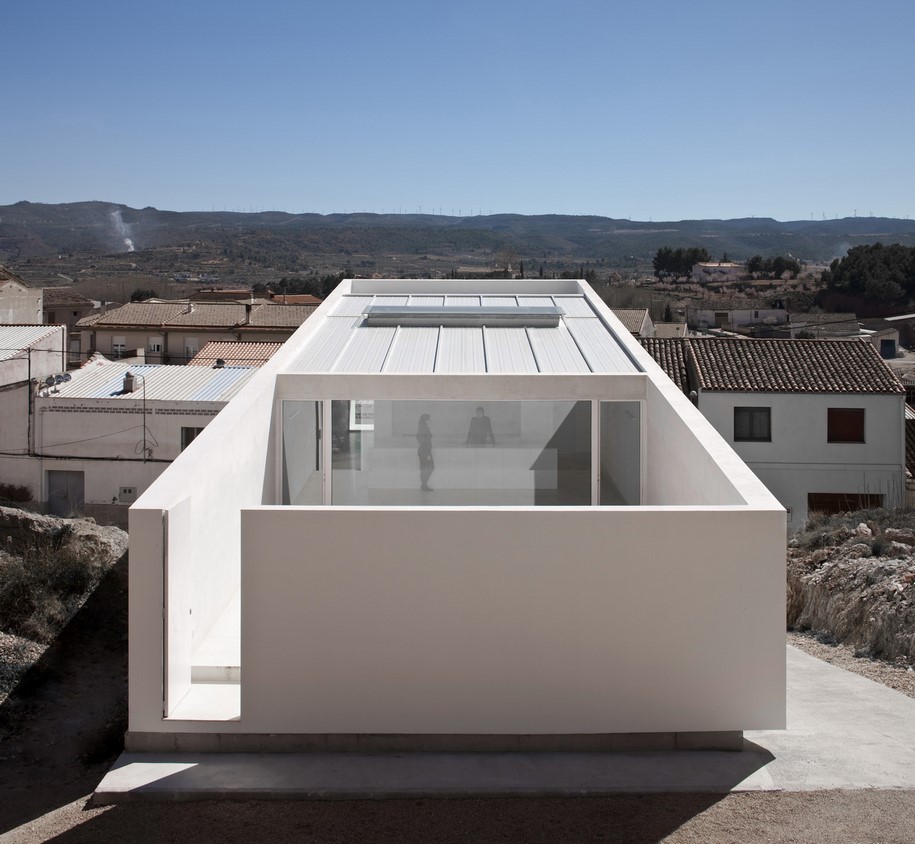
x: 188, y: 435
x: 753, y: 424
x: 118, y: 346
x: 845, y: 425
x: 154, y: 345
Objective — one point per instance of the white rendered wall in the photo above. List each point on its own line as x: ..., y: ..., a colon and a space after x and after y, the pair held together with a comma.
x: 577, y: 620
x: 799, y: 459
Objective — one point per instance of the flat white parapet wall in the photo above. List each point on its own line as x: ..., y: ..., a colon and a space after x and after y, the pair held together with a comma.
x: 516, y: 621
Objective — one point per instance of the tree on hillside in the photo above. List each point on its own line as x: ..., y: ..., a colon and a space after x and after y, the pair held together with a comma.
x: 677, y: 262
x: 875, y: 272
x: 141, y: 294
x: 776, y: 267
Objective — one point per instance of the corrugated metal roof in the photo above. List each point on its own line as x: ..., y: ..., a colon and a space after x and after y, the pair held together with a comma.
x: 15, y: 338
x: 105, y: 380
x: 581, y: 343
x: 461, y: 350
x: 508, y: 351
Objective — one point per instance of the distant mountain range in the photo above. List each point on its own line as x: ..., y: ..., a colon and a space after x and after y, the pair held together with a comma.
x: 291, y: 241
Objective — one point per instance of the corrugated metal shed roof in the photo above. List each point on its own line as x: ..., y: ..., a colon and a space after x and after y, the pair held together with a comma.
x: 581, y: 343
x: 105, y: 380
x: 15, y: 338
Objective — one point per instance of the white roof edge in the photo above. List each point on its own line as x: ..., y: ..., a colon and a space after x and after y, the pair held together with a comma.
x: 458, y: 286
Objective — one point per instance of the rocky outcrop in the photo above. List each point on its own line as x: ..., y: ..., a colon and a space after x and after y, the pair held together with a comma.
x: 855, y: 582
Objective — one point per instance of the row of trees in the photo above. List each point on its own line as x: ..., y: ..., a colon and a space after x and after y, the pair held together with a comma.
x: 874, y: 272
x: 677, y: 262
x: 776, y: 267
x: 320, y: 286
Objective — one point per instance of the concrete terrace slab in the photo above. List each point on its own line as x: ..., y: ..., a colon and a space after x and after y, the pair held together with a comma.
x: 844, y: 732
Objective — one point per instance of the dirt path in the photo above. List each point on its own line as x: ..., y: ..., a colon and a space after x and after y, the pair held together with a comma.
x: 61, y: 731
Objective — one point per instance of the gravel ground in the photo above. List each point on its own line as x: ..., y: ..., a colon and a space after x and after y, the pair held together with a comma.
x: 900, y: 677
x: 838, y: 817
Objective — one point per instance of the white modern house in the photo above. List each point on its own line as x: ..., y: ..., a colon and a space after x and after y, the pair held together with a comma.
x: 820, y: 422
x: 589, y: 565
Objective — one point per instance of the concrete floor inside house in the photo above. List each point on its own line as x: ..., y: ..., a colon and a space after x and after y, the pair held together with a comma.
x: 216, y: 672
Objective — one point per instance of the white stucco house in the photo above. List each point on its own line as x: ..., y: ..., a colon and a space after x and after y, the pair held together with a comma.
x: 456, y: 514
x: 91, y: 444
x: 820, y: 422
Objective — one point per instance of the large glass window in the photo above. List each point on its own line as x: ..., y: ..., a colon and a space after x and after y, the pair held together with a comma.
x: 620, y: 453
x: 461, y: 453
x: 302, y: 476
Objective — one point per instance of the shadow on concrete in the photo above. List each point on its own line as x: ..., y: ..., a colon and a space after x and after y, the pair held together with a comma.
x: 625, y: 818
x: 62, y: 727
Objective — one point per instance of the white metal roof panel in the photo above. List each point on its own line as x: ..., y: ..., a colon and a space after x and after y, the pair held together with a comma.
x: 399, y: 301
x: 413, y: 350
x: 536, y: 301
x: 366, y: 350
x: 461, y: 351
x: 508, y: 351
x: 599, y: 347
x: 15, y: 338
x: 500, y: 301
x: 575, y: 306
x: 352, y: 305
x: 422, y: 301
x: 556, y: 351
x: 465, y: 301
x: 320, y: 354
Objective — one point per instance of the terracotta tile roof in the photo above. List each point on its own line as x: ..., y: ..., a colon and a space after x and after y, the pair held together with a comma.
x: 281, y: 316
x: 773, y: 366
x: 234, y: 354
x: 136, y: 313
x: 208, y: 314
x: 64, y: 297
x: 295, y: 299
x: 790, y: 366
x: 633, y: 319
x: 202, y: 315
x: 670, y: 354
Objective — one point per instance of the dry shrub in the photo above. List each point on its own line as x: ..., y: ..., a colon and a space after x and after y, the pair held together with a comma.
x: 41, y: 588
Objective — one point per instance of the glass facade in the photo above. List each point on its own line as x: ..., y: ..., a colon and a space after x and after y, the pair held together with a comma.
x: 463, y: 453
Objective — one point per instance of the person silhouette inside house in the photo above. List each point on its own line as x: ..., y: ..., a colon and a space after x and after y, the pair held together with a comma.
x: 480, y: 431
x: 424, y: 451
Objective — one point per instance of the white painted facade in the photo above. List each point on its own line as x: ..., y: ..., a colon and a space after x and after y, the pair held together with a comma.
x: 19, y: 305
x: 310, y: 625
x: 704, y: 318
x: 799, y: 460
x: 85, y: 447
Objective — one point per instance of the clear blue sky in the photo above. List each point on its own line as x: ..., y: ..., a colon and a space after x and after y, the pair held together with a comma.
x: 648, y: 110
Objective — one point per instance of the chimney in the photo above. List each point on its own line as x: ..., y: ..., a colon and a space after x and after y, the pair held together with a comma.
x: 220, y: 363
x: 190, y: 308
x: 128, y: 382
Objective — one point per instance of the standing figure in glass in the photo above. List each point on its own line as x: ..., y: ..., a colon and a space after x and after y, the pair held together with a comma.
x: 424, y: 452
x: 480, y: 431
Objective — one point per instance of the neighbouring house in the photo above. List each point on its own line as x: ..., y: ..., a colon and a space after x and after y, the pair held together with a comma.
x: 174, y: 332
x: 820, y: 422
x: 217, y: 353
x: 295, y: 298
x: 29, y: 356
x: 819, y: 326
x: 731, y: 315
x: 438, y: 518
x: 637, y: 321
x: 97, y: 438
x: 670, y: 329
x: 19, y: 304
x: 66, y: 306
